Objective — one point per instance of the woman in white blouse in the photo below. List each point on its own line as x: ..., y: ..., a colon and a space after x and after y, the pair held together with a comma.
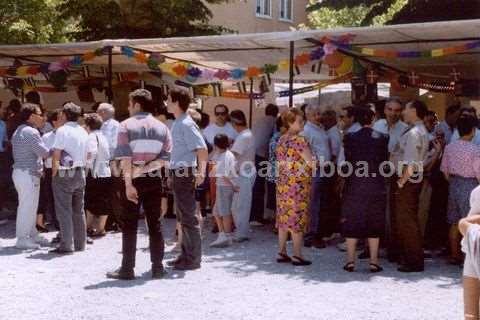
x: 99, y: 183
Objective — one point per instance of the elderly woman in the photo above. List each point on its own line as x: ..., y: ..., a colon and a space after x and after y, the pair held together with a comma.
x: 461, y: 167
x: 365, y: 196
x: 97, y: 205
x: 294, y: 181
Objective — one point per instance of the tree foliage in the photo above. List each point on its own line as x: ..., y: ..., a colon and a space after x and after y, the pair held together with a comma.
x: 99, y: 19
x: 377, y: 12
x: 32, y: 21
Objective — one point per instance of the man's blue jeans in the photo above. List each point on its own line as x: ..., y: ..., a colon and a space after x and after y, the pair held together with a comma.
x: 319, y: 201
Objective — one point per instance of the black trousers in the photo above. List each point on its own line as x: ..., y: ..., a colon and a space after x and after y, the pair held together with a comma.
x: 258, y: 193
x: 149, y: 190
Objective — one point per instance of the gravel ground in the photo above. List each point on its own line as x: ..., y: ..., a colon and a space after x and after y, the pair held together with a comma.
x: 241, y: 282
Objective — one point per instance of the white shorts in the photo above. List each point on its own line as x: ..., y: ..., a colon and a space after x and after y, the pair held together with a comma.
x: 468, y: 268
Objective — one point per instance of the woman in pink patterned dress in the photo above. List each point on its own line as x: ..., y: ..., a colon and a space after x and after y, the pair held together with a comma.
x: 293, y: 187
x: 461, y: 167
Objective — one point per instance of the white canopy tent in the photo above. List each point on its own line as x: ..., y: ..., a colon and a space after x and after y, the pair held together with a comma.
x: 243, y: 50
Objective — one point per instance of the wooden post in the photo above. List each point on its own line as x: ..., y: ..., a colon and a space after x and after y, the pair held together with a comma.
x: 110, y: 75
x: 250, y: 116
x: 291, y: 75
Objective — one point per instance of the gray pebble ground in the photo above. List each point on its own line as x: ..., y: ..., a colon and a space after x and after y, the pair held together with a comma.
x: 241, y: 282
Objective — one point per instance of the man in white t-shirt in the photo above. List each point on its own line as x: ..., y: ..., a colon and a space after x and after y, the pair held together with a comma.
x: 244, y: 151
x: 68, y: 180
x: 221, y: 125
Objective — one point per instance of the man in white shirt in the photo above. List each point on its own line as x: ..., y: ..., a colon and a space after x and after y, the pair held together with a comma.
x: 69, y: 180
x: 392, y: 125
x: 244, y: 151
x: 221, y: 125
x: 262, y: 132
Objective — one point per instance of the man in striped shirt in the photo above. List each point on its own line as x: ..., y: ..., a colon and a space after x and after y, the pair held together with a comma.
x: 28, y: 153
x: 143, y: 147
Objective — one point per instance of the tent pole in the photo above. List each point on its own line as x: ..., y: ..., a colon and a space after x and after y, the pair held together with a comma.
x: 109, y: 75
x: 291, y: 75
x: 251, y: 104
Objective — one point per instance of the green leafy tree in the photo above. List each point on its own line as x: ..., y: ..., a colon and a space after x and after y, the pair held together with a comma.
x: 100, y: 19
x: 32, y: 21
x: 378, y: 12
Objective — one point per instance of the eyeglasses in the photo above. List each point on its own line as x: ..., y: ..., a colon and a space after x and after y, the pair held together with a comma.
x: 220, y: 114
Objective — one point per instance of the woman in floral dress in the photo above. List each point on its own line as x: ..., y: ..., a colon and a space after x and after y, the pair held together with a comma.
x: 294, y: 160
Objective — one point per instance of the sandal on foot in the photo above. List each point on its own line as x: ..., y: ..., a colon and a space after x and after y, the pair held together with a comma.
x: 297, y: 261
x: 283, y: 258
x: 374, y: 268
x: 349, y: 267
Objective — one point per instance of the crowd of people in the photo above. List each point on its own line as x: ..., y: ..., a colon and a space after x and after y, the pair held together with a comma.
x: 388, y: 177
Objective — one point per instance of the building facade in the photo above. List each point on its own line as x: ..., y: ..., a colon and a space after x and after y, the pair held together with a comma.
x: 254, y: 16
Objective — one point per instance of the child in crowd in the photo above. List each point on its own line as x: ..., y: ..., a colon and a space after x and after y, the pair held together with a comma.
x: 226, y: 187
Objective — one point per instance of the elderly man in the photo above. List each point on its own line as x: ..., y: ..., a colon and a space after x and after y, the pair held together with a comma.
x: 110, y: 129
x: 110, y: 126
x: 317, y: 138
x: 28, y: 152
x: 68, y: 180
x: 408, y: 157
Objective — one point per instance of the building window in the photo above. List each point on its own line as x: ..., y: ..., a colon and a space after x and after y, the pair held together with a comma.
x: 286, y: 10
x: 264, y: 8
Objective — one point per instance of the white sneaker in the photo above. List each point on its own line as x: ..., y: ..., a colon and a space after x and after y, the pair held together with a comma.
x: 41, y: 240
x: 26, y: 244
x: 222, y: 241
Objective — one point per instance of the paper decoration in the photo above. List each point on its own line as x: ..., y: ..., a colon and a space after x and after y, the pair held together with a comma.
x: 346, y: 66
x: 334, y: 60
x: 434, y: 53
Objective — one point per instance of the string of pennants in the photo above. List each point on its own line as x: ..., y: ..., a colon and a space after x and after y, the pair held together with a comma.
x: 192, y: 73
x: 328, y: 54
x: 342, y: 42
